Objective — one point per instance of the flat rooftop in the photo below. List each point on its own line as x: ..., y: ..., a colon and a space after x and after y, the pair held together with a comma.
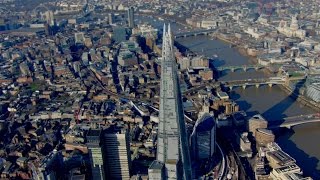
x: 156, y: 165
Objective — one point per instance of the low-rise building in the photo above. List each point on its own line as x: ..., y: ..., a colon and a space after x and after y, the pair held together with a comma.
x: 256, y: 122
x: 127, y: 58
x: 264, y: 136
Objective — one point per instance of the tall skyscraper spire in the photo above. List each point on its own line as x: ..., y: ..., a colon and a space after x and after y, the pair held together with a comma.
x: 173, y: 157
x: 170, y: 36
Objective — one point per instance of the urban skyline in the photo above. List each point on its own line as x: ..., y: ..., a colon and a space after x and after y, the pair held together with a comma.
x: 210, y: 89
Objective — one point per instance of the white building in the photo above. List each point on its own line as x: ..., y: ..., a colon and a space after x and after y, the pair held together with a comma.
x: 293, y: 30
x: 255, y: 32
x: 281, y: 172
x: 49, y: 17
x: 147, y: 31
x: 79, y: 38
x: 208, y: 24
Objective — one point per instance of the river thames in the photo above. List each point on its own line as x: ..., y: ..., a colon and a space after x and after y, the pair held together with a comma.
x: 272, y: 102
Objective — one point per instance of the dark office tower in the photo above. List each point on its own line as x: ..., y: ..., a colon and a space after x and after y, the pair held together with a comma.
x: 95, y: 154
x: 116, y: 154
x: 173, y: 157
x: 203, y: 138
x: 111, y: 18
x: 51, y: 167
x: 131, y: 17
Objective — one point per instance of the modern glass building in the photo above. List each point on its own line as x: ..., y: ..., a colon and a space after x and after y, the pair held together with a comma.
x: 116, y: 155
x: 173, y: 156
x: 203, y: 137
x: 313, y: 88
x: 95, y: 153
x: 131, y: 17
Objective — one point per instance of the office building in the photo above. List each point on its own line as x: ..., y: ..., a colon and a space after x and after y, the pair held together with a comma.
x: 173, y: 157
x: 50, y: 167
x: 119, y: 34
x: 256, y: 122
x: 147, y: 31
x: 313, y: 92
x: 49, y: 18
x: 264, y: 136
x: 79, y: 38
x: 244, y: 144
x: 281, y: 172
x: 131, y: 17
x: 203, y: 137
x: 116, y: 155
x: 127, y: 58
x: 111, y: 18
x: 95, y: 154
x: 277, y: 157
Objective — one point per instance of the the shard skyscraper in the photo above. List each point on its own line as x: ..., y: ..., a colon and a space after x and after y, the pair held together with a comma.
x: 173, y: 157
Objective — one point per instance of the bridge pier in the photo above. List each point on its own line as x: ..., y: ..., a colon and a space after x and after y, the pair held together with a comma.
x: 270, y: 84
x: 257, y: 85
x: 233, y: 69
x: 256, y: 68
x: 230, y: 87
x: 245, y: 69
x: 244, y: 86
x: 185, y: 36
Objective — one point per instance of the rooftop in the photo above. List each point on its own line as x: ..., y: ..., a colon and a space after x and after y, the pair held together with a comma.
x: 156, y: 165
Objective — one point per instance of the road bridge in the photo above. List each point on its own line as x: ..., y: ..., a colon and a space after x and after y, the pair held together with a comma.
x: 253, y: 82
x: 245, y: 68
x: 194, y: 33
x: 237, y: 83
x: 294, y: 121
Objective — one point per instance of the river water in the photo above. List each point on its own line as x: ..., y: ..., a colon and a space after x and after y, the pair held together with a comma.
x: 273, y: 103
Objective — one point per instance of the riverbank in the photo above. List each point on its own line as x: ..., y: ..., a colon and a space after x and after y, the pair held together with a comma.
x: 301, y: 99
x: 242, y: 50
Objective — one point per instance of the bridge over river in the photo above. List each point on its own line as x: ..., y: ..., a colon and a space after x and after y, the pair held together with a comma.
x: 254, y: 82
x: 194, y: 33
x: 294, y: 121
x: 245, y: 68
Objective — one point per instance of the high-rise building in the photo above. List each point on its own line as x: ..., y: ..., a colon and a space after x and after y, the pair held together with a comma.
x: 49, y: 17
x: 95, y: 154
x: 116, y: 155
x: 111, y: 18
x: 173, y: 157
x: 203, y: 137
x: 131, y: 17
x: 50, y: 167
